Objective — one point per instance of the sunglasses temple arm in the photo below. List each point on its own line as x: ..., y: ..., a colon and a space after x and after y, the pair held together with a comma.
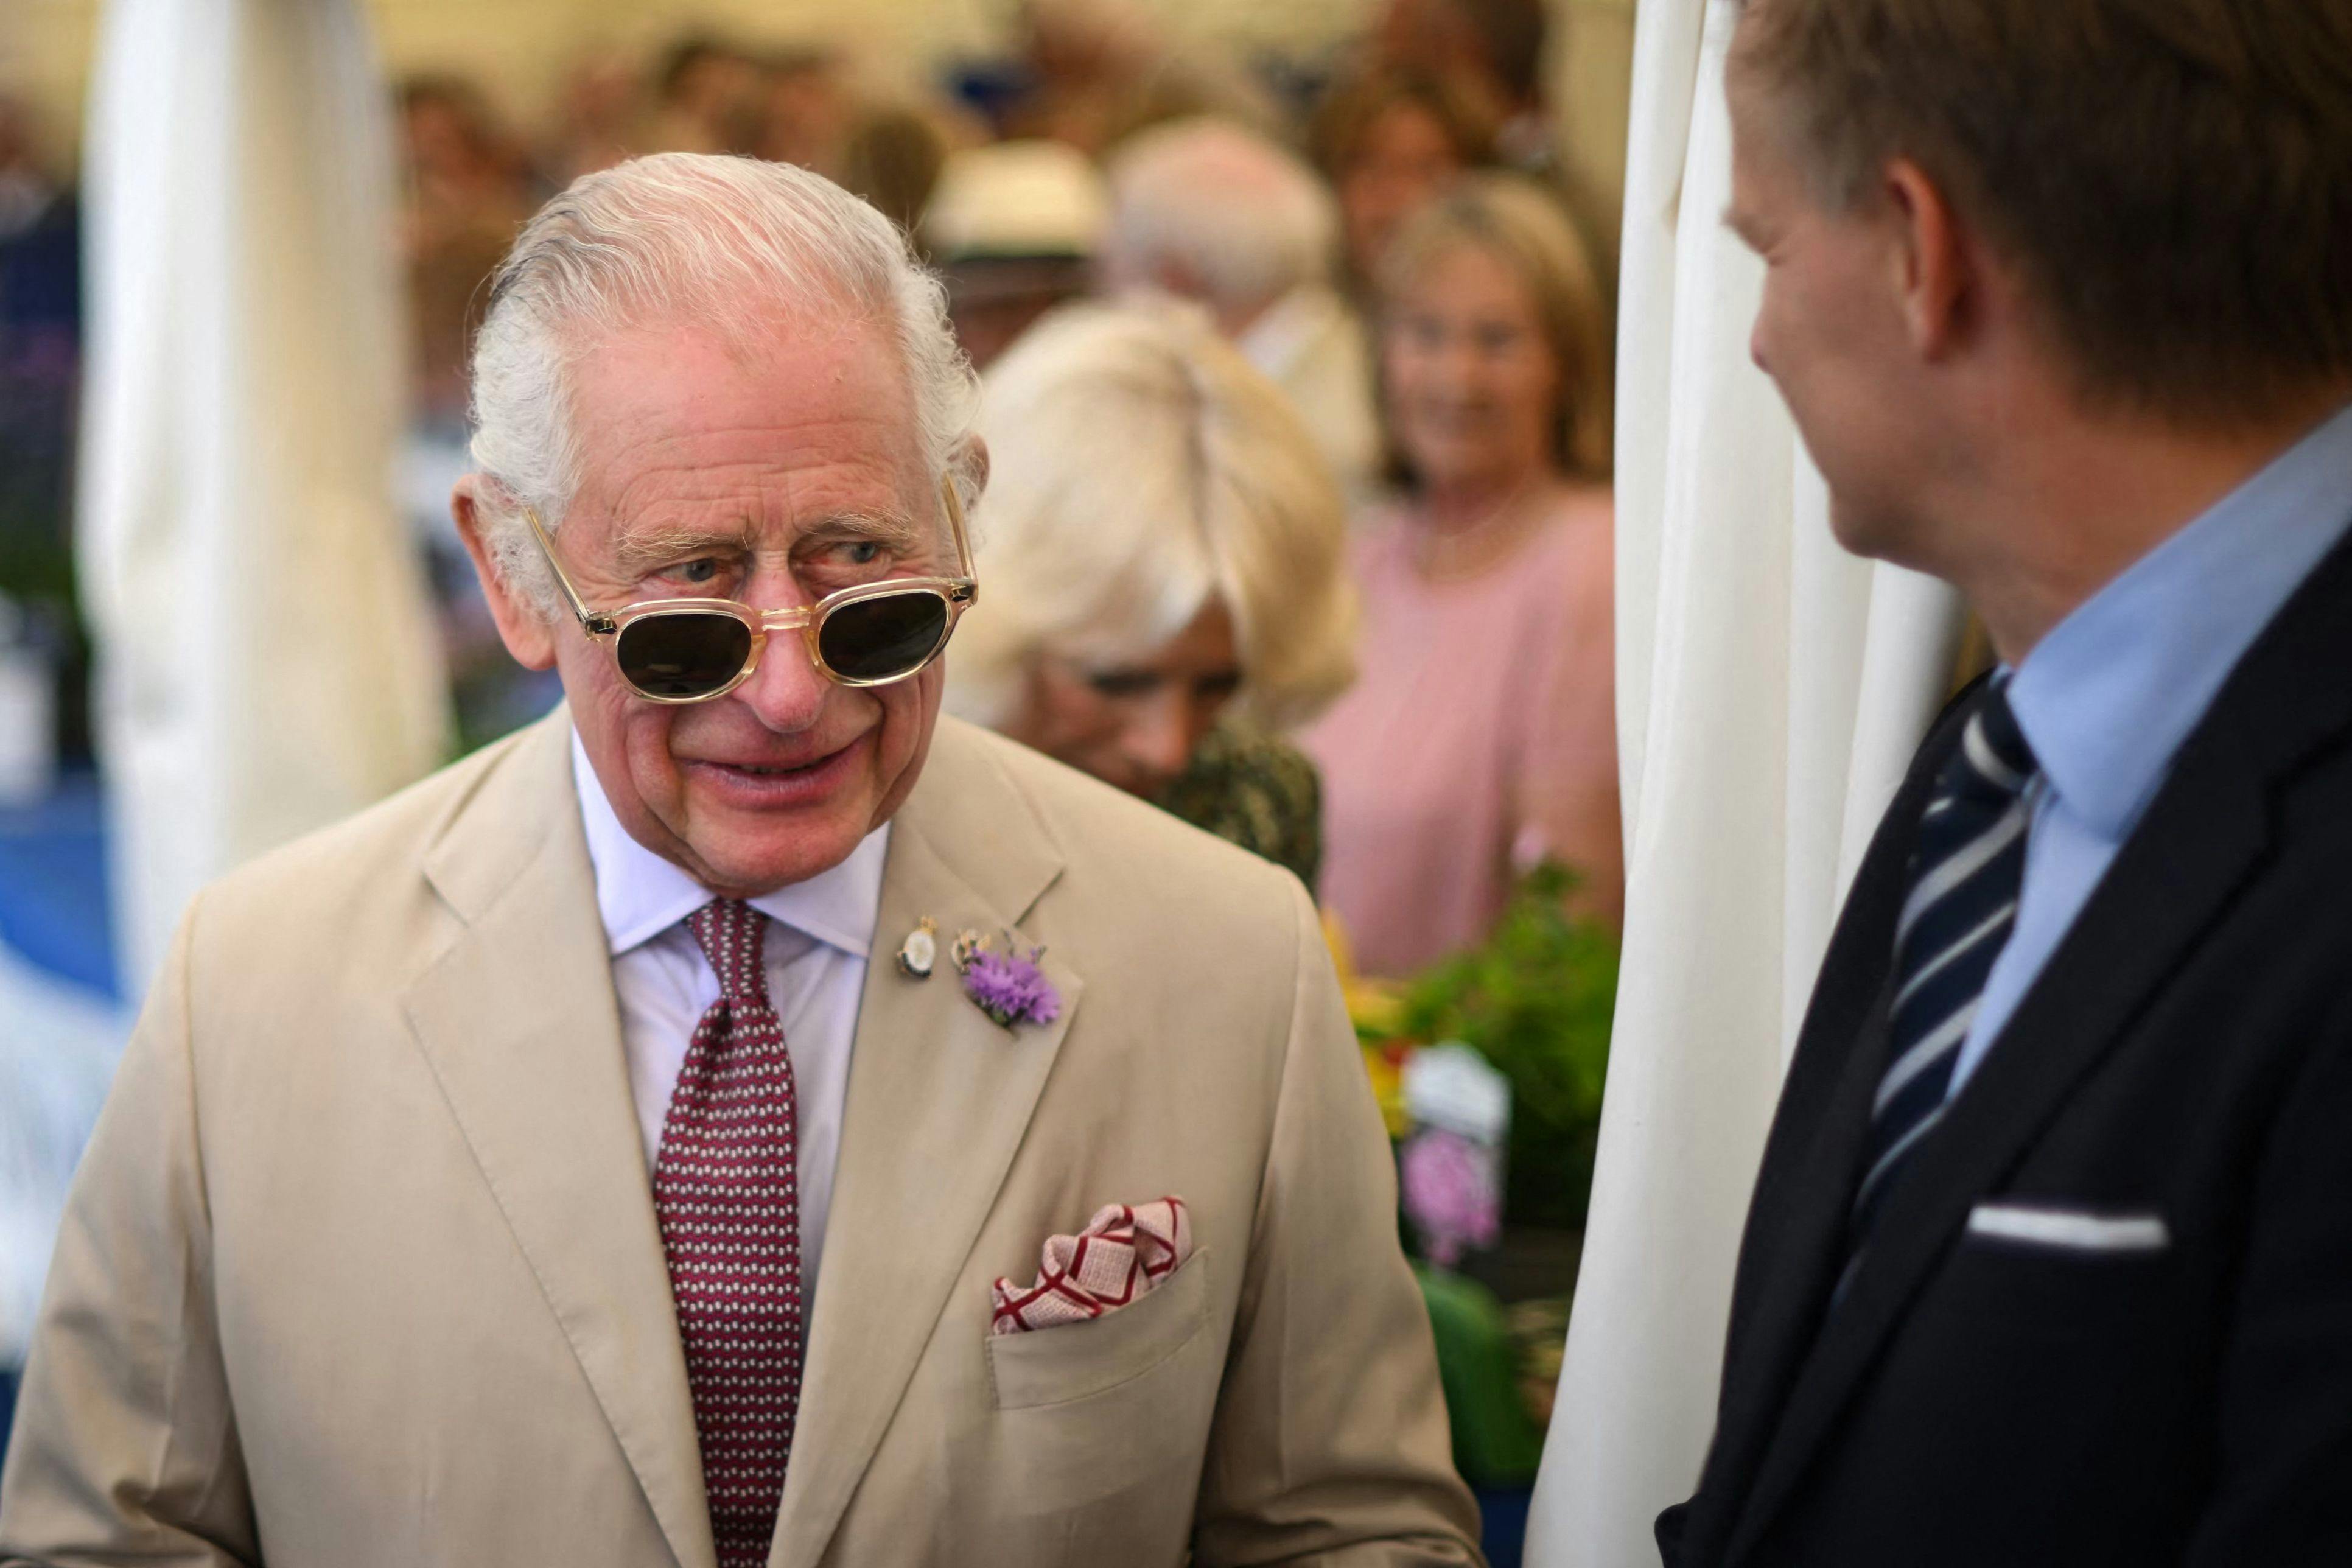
x: 962, y: 538
x: 593, y: 625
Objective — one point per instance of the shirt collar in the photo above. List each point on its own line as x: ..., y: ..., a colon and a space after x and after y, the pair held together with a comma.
x: 639, y: 895
x: 2109, y: 694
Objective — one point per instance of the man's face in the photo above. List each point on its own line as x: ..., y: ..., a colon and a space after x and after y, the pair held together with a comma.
x: 1830, y: 334
x: 770, y: 473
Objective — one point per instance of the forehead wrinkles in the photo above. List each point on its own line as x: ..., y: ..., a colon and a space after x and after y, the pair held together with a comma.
x: 763, y: 472
x: 793, y: 353
x: 686, y: 427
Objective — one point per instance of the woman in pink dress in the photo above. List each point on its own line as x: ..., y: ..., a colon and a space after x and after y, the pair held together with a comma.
x: 1480, y: 737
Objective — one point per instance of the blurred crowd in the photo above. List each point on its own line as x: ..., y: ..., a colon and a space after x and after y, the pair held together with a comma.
x: 1297, y: 397
x: 40, y: 310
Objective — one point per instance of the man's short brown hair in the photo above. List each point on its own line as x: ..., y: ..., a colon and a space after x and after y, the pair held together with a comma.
x: 2174, y: 178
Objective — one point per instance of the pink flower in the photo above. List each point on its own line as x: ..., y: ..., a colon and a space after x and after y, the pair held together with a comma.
x: 1451, y: 1194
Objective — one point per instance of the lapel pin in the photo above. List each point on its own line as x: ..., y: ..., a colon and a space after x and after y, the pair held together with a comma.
x: 920, y: 950
x: 1006, y: 985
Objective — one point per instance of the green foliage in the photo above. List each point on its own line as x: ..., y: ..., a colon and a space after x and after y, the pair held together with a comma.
x: 1537, y: 1001
x: 1496, y: 1443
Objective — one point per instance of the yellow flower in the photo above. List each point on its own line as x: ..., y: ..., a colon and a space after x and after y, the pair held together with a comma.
x: 1383, y: 1068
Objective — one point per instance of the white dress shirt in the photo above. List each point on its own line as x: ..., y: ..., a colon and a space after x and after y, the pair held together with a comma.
x: 820, y: 934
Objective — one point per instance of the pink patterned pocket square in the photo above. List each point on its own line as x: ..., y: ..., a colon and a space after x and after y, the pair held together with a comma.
x: 1123, y: 1252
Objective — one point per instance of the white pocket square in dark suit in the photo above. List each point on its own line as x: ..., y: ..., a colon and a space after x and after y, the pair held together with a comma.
x: 2061, y: 1229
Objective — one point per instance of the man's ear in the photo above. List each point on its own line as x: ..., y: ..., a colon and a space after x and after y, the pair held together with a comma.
x: 1938, y: 268
x: 528, y: 635
x: 972, y: 461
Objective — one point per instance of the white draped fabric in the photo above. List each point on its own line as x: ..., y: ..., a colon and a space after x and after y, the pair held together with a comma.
x: 1770, y: 692
x: 267, y: 662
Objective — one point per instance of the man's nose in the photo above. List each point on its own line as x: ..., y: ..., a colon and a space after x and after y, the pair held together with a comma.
x: 786, y: 692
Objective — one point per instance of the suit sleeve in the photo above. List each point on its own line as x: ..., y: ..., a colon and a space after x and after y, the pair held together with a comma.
x: 2283, y: 1491
x: 125, y: 1449
x: 1331, y: 1443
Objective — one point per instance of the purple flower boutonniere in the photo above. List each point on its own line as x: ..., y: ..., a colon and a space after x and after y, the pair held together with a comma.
x: 1008, y: 987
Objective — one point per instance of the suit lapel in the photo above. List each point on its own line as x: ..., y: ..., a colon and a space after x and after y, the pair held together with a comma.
x: 517, y: 1023
x: 1795, y: 1277
x: 938, y: 1100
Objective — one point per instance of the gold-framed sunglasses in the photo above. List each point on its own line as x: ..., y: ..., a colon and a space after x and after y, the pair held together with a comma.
x: 692, y: 650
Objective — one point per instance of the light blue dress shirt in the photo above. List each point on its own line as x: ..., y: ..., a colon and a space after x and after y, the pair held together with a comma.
x: 2106, y: 699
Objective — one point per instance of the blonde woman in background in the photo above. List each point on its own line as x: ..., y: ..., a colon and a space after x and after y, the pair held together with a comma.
x: 1481, y: 738
x: 1164, y: 557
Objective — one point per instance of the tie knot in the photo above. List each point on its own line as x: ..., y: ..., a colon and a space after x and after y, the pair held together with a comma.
x: 733, y: 937
x: 1994, y: 760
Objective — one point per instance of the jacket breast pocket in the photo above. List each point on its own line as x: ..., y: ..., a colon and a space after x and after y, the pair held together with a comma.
x: 1079, y: 1360
x: 2059, y: 1230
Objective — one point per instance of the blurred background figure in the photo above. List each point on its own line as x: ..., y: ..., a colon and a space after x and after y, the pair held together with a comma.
x: 38, y: 233
x: 1098, y: 70
x: 1013, y: 227
x: 464, y: 172
x: 468, y: 188
x: 1391, y: 141
x: 1491, y: 56
x: 603, y: 116
x: 1212, y: 212
x: 712, y: 97
x: 1490, y: 52
x: 893, y: 154
x: 43, y: 721
x: 1157, y: 620
x: 59, y: 1031
x: 804, y: 110
x: 1480, y: 737
x: 40, y: 358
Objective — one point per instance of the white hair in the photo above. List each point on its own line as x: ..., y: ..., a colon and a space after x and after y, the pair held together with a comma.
x: 1240, y: 217
x: 718, y: 241
x: 1139, y: 467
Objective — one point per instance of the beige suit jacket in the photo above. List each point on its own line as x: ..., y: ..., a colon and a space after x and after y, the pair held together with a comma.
x: 361, y: 1266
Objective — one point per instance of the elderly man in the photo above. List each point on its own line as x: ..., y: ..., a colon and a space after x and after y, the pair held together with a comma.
x: 1215, y: 213
x: 638, y: 1143
x: 2050, y: 1259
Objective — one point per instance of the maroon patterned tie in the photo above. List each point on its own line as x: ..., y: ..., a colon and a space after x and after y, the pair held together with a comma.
x: 728, y: 1201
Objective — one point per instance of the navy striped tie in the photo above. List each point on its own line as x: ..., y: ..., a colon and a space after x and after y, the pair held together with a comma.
x: 1957, y: 915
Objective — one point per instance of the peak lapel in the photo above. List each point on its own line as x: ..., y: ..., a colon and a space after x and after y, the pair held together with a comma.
x: 938, y: 1100
x: 518, y: 1024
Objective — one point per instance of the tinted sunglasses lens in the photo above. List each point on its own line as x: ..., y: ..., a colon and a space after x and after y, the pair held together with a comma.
x: 885, y: 638
x: 683, y: 656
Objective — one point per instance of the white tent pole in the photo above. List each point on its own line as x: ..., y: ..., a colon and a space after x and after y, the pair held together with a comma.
x: 267, y: 658
x: 1770, y: 692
